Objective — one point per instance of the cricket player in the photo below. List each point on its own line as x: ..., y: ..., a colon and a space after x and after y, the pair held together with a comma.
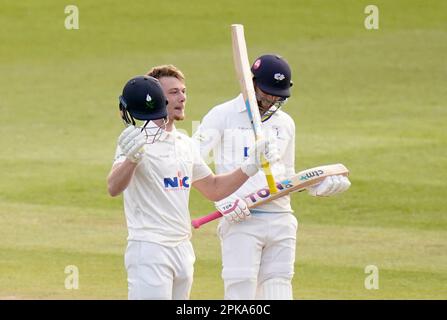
x: 258, y: 254
x: 155, y: 167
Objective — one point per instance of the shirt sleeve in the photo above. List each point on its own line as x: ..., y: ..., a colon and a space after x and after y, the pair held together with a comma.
x: 200, y: 169
x: 208, y: 134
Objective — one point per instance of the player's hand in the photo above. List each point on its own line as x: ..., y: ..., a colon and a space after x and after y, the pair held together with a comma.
x: 330, y: 186
x: 233, y: 209
x: 131, y: 142
x: 262, y: 147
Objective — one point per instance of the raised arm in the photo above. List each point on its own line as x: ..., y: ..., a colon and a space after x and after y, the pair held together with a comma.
x: 217, y: 187
x: 120, y: 176
x: 130, y: 142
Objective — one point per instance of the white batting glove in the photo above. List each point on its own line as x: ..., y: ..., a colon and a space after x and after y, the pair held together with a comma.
x: 253, y: 163
x: 131, y: 142
x: 330, y: 186
x: 233, y: 209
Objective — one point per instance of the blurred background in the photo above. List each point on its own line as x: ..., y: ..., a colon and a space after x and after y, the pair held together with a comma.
x: 374, y: 100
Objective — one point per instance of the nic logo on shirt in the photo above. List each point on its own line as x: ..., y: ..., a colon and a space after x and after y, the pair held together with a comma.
x: 176, y: 183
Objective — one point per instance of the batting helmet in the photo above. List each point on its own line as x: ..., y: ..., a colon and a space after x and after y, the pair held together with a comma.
x: 272, y: 75
x: 142, y: 99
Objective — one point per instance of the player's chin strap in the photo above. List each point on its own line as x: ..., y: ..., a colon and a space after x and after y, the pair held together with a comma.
x: 125, y: 115
x: 271, y: 111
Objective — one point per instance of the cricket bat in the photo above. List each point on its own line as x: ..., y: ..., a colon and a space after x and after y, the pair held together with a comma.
x: 298, y: 182
x: 242, y: 66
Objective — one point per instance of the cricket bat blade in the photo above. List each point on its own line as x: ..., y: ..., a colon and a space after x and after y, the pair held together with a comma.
x: 298, y: 182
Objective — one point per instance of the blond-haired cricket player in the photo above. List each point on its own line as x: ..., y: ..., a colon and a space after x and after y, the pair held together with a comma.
x: 155, y: 167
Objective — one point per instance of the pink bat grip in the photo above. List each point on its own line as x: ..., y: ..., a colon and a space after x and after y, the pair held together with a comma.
x: 196, y: 223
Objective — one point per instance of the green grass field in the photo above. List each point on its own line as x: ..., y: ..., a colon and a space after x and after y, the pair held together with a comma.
x: 374, y: 100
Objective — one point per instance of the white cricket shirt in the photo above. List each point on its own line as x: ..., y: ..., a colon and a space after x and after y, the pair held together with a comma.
x: 156, y: 199
x: 227, y: 132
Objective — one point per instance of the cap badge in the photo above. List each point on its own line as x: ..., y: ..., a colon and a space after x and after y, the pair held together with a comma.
x: 149, y: 102
x: 279, y: 76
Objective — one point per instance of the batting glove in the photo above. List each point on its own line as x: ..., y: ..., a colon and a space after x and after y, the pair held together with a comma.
x: 264, y: 148
x: 330, y: 186
x: 131, y: 142
x: 233, y: 209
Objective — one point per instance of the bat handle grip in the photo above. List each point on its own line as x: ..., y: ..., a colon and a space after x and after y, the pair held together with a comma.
x: 268, y: 175
x: 196, y: 223
x: 271, y: 183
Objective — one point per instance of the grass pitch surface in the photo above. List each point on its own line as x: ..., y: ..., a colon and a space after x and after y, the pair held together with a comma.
x: 374, y: 100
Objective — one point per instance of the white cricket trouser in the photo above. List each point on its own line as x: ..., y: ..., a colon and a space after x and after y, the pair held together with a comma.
x: 255, y: 251
x: 157, y: 272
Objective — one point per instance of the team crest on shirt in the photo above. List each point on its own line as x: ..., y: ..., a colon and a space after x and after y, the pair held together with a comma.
x: 179, y: 182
